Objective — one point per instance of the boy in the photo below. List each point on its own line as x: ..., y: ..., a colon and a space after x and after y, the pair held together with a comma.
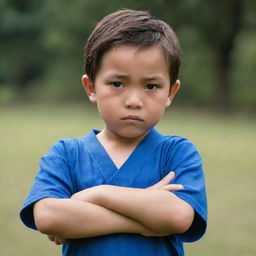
x: 104, y: 194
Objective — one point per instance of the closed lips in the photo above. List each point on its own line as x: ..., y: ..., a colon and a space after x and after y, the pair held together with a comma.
x: 132, y: 118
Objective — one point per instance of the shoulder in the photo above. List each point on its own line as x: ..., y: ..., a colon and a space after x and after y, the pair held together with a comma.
x: 67, y: 147
x: 179, y: 151
x: 68, y: 143
x: 178, y: 144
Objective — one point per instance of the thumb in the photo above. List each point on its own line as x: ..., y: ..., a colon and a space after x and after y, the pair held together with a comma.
x: 172, y: 187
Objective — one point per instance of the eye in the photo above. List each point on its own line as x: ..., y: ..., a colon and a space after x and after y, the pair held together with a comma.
x: 117, y: 84
x: 151, y: 87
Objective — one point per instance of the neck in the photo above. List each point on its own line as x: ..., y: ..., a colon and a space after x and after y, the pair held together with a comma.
x: 108, y: 136
x: 118, y: 148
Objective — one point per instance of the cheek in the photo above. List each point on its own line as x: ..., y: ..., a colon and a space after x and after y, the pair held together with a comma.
x: 158, y: 102
x: 104, y: 109
x: 156, y: 110
x: 160, y: 112
x: 107, y: 107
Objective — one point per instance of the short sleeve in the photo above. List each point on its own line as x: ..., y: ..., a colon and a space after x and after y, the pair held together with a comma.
x: 52, y: 180
x: 184, y: 159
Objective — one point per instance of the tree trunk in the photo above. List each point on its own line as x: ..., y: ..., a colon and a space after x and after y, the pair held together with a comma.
x: 224, y: 53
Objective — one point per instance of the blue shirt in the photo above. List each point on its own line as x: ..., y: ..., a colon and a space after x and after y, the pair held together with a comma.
x: 72, y: 165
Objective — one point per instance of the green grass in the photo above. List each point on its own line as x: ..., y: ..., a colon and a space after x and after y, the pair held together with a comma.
x: 227, y: 146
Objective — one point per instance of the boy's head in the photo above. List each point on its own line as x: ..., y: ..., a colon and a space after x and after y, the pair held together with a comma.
x: 130, y: 27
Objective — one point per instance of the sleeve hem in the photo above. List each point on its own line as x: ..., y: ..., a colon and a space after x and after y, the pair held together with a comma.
x: 198, y: 227
x: 26, y: 212
x: 193, y: 203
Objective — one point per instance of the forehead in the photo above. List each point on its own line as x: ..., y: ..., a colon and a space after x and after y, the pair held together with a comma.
x: 135, y: 60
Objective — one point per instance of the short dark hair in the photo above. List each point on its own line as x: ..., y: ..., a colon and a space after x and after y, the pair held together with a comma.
x: 132, y: 27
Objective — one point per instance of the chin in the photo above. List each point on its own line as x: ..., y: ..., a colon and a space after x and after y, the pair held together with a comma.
x: 131, y: 133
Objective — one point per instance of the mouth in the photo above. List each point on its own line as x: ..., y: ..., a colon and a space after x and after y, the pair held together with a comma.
x: 132, y: 118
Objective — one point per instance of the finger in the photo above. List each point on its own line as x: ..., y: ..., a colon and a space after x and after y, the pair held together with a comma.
x: 172, y: 187
x: 62, y: 240
x: 57, y: 242
x: 51, y: 238
x: 164, y: 181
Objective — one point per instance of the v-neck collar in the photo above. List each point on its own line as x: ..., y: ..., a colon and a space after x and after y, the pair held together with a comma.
x: 106, y: 165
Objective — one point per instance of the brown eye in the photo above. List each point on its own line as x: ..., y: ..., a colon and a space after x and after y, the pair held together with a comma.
x: 117, y: 84
x: 151, y: 87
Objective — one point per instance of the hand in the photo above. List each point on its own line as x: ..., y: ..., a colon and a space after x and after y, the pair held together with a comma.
x: 57, y: 240
x: 163, y: 184
x: 90, y: 195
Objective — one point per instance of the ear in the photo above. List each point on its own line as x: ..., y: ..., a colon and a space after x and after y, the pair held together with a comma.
x: 89, y: 88
x: 174, y: 89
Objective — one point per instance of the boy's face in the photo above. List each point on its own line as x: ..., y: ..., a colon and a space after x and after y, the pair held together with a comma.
x: 131, y: 89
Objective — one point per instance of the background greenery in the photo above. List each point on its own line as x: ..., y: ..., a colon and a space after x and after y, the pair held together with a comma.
x: 41, y: 45
x: 227, y: 146
x: 42, y: 101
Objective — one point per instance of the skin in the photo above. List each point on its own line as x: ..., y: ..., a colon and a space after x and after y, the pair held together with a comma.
x: 131, y: 90
x: 78, y: 217
x: 133, y: 83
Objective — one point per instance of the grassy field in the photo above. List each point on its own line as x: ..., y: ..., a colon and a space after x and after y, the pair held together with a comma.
x: 227, y: 146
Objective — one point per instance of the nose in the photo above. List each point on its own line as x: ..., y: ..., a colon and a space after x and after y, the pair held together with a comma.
x: 133, y: 99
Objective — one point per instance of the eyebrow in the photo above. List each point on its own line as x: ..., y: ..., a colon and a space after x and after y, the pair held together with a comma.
x: 153, y: 78
x: 117, y: 75
x: 126, y: 76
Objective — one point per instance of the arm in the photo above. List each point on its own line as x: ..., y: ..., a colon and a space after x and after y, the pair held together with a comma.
x: 156, y: 207
x: 159, y: 210
x: 68, y: 218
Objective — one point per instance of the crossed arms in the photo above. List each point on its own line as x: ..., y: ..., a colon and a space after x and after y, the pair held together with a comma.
x: 107, y: 209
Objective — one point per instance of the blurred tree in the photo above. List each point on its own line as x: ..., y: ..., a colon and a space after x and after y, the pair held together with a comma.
x: 218, y: 24
x: 22, y: 55
x: 41, y: 44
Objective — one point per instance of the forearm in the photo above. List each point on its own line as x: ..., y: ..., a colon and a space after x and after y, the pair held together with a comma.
x: 158, y: 210
x: 68, y: 218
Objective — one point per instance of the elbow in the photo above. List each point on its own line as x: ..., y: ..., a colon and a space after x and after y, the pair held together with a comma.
x: 178, y: 220
x: 183, y: 220
x: 45, y: 220
x: 185, y: 223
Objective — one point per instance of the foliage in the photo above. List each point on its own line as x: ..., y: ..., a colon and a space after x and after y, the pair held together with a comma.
x: 41, y: 47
